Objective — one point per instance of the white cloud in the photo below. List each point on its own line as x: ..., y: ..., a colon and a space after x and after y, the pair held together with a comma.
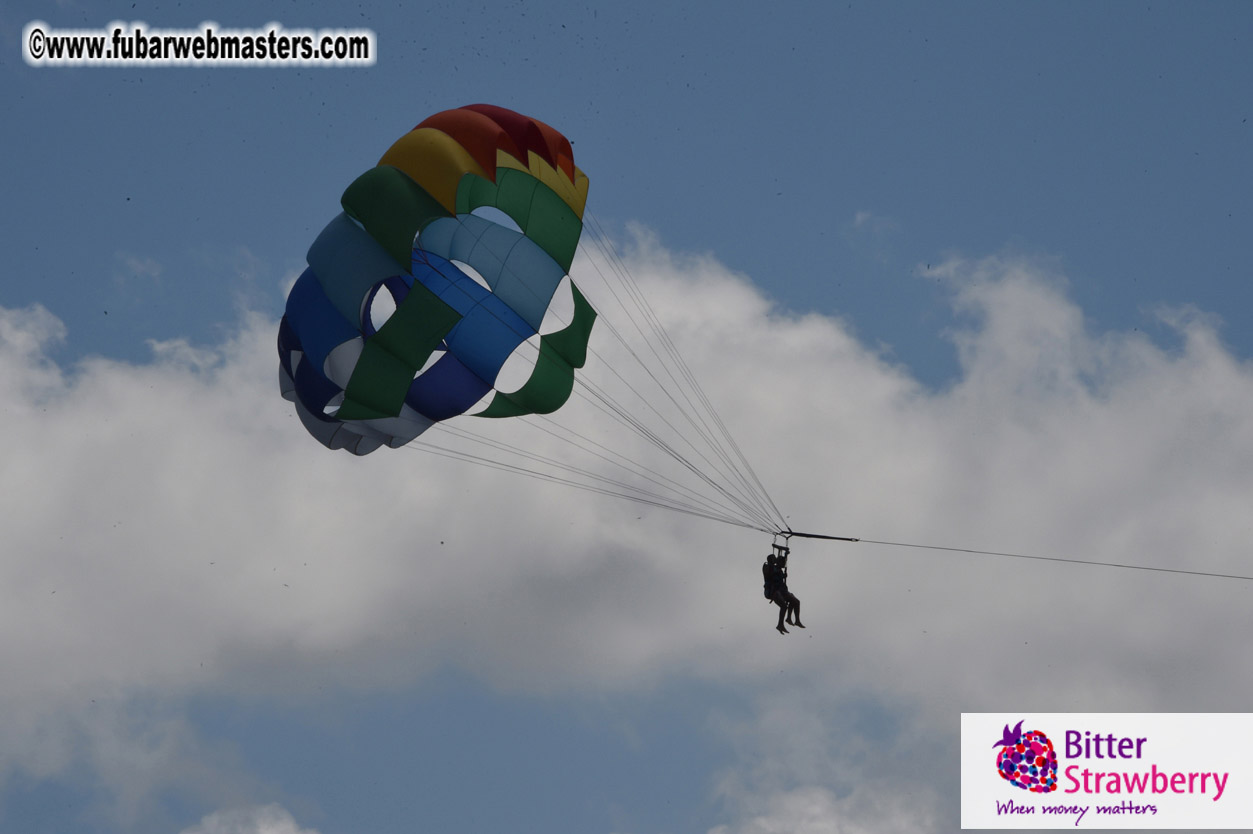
x: 264, y: 819
x: 171, y: 531
x: 873, y: 233
x: 816, y: 810
x: 874, y: 223
x: 815, y: 760
x: 139, y: 266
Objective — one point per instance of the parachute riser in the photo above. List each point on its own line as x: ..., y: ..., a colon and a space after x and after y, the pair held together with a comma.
x: 787, y: 534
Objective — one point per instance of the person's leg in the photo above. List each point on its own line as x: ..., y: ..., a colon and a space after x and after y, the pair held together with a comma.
x: 782, y: 612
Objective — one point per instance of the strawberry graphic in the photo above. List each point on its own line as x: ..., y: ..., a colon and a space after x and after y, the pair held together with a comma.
x: 1027, y: 760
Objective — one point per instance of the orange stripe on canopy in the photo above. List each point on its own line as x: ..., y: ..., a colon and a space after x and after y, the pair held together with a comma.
x: 531, y: 135
x: 478, y: 134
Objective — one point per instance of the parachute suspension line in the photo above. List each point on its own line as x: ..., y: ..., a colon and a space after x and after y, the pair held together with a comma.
x: 1090, y: 562
x: 686, y: 412
x: 600, y: 484
x: 419, y: 446
x: 671, y: 490
x: 645, y: 498
x: 590, y: 391
x: 673, y: 359
x: 748, y: 508
x: 604, y: 402
x: 699, y: 414
x: 677, y: 358
x: 623, y: 415
x: 690, y: 501
x: 637, y: 468
x: 642, y: 302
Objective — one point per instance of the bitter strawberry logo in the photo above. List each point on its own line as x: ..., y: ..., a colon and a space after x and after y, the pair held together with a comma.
x: 1027, y: 760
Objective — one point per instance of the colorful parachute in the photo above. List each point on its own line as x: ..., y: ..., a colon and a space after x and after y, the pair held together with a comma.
x: 357, y: 383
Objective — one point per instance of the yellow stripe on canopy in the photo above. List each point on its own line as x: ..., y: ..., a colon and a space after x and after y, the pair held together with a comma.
x: 573, y: 194
x: 435, y: 161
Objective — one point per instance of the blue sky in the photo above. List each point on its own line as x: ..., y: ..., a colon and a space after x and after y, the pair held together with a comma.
x: 970, y: 274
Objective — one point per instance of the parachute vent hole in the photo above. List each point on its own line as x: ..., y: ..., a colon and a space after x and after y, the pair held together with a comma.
x: 472, y: 273
x: 560, y: 310
x: 496, y: 216
x: 342, y: 361
x: 435, y: 356
x: 332, y: 406
x: 519, y: 366
x: 382, y: 306
x: 486, y: 400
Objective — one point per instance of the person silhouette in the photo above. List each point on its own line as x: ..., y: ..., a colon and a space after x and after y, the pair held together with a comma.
x: 774, y: 574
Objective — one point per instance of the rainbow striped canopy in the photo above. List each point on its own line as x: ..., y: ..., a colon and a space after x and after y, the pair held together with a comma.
x: 358, y: 384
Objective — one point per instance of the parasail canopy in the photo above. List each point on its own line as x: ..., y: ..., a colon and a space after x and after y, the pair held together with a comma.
x: 412, y: 303
x: 442, y: 289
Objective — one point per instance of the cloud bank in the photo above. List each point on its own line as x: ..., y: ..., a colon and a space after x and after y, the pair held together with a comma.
x: 171, y: 532
x: 264, y: 819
